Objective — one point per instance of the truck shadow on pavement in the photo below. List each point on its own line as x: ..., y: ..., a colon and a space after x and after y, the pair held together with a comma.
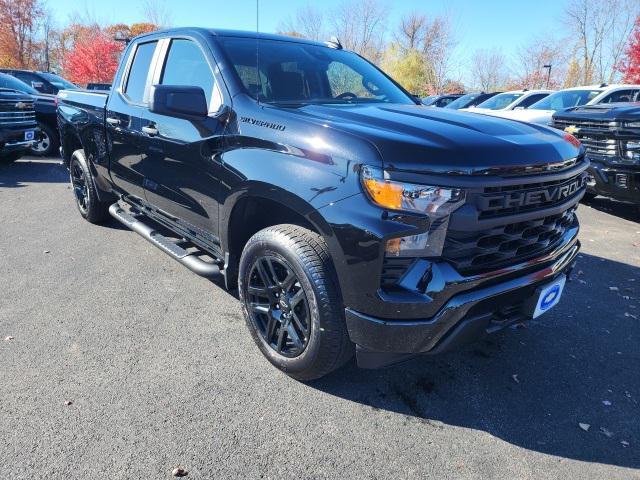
x: 532, y: 387
x: 33, y: 170
x: 627, y: 211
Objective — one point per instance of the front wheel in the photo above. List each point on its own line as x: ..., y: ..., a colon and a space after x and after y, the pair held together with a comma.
x: 291, y: 302
x: 47, y: 146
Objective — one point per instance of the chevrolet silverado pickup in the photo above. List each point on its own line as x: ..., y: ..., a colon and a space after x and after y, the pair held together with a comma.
x: 18, y: 127
x: 350, y: 218
x: 610, y: 134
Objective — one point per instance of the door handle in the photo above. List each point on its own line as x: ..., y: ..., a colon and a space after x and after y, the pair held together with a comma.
x: 113, y: 121
x: 151, y: 131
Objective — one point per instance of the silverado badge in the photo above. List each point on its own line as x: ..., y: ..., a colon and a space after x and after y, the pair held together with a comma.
x: 572, y: 129
x: 21, y: 105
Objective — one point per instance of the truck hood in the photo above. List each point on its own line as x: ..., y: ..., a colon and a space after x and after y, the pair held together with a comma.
x: 609, y: 111
x: 416, y: 138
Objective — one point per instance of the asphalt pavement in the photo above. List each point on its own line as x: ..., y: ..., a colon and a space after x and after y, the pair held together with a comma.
x: 116, y: 362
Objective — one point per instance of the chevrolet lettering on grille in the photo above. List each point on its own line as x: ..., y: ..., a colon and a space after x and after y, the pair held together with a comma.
x: 529, y: 198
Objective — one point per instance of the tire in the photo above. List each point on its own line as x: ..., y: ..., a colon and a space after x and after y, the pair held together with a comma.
x: 48, y: 145
x: 291, y: 249
x: 10, y: 158
x: 87, y: 201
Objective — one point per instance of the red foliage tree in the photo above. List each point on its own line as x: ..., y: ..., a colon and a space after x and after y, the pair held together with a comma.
x: 93, y: 59
x: 630, y: 66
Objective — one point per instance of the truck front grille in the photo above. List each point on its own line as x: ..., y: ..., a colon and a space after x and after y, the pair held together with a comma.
x: 494, y: 248
x: 596, y: 136
x: 11, y: 115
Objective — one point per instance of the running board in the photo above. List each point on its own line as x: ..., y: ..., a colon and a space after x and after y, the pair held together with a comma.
x: 189, y: 260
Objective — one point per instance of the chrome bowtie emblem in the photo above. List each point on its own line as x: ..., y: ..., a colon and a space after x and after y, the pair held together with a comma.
x: 21, y: 105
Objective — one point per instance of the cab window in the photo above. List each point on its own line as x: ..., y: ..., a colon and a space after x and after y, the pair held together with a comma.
x: 137, y: 79
x: 186, y: 65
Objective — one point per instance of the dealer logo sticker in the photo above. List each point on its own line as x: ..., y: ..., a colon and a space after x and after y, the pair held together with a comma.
x: 549, y: 296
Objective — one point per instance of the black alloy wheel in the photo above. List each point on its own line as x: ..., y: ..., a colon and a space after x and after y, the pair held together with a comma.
x: 79, y: 184
x: 278, y: 306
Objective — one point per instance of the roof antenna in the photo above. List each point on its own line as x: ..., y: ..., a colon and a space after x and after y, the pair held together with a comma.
x: 258, y: 79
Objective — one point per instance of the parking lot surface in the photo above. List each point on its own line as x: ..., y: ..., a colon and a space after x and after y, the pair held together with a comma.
x: 116, y: 362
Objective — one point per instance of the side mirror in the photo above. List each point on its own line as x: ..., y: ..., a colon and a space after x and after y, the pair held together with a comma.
x: 178, y: 101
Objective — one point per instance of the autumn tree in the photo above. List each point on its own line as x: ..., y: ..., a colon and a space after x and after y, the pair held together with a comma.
x: 307, y: 22
x: 408, y: 68
x: 93, y: 61
x: 532, y: 58
x: 630, y: 65
x: 19, y: 22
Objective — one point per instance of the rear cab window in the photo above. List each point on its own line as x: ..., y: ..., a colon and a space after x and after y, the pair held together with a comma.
x: 139, y: 72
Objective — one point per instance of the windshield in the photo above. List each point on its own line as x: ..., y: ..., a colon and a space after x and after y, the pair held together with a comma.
x: 462, y: 101
x: 565, y: 99
x: 500, y: 101
x: 293, y: 74
x: 59, y: 82
x: 7, y: 81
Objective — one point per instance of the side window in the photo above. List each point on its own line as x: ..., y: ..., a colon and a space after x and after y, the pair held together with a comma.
x: 137, y: 78
x: 186, y: 65
x: 527, y: 102
x: 620, y: 96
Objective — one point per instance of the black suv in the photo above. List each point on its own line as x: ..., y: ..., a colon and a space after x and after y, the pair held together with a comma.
x: 44, y: 82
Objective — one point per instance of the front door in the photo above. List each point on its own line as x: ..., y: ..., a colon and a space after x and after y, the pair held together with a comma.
x: 123, y: 120
x: 183, y: 155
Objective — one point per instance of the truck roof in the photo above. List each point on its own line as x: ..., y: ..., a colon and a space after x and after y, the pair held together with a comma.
x: 220, y: 32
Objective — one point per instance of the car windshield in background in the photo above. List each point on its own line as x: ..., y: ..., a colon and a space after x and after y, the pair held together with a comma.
x: 294, y: 74
x: 7, y: 81
x: 59, y: 82
x: 565, y: 99
x: 500, y: 101
x: 462, y: 101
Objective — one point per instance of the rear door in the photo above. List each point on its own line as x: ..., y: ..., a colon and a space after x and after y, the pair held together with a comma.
x: 183, y: 179
x: 123, y: 117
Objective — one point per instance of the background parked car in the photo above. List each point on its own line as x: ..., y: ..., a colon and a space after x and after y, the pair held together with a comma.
x: 48, y: 140
x: 542, y: 111
x: 470, y: 100
x: 506, y: 101
x: 43, y: 82
x: 440, y: 100
x: 18, y: 126
x: 610, y: 133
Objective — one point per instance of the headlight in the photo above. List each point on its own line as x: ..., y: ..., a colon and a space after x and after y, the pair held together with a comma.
x: 632, y: 150
x: 433, y: 200
x: 437, y: 202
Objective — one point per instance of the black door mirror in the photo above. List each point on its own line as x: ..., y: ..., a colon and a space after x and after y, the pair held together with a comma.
x: 178, y: 101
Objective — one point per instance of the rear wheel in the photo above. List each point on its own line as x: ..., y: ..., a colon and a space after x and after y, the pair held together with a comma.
x: 292, y: 303
x: 84, y: 191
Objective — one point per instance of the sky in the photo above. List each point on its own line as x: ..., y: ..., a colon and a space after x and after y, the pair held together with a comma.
x: 479, y: 24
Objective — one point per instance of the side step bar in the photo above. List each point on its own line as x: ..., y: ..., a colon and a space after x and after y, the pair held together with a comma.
x: 189, y: 260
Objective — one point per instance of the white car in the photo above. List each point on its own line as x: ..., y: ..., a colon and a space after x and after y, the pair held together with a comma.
x: 509, y: 101
x: 542, y: 111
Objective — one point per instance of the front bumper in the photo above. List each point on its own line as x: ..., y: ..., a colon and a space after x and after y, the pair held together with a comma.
x: 13, y: 140
x: 619, y: 182
x: 467, y: 316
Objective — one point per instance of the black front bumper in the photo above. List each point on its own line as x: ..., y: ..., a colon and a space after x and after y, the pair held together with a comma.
x: 619, y: 182
x: 497, y: 302
x: 13, y: 139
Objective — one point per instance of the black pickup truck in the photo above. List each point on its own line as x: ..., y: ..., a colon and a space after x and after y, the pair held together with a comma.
x: 18, y: 127
x: 611, y: 136
x: 349, y: 217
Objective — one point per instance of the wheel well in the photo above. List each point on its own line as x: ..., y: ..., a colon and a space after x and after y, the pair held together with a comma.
x: 70, y: 145
x: 249, y: 216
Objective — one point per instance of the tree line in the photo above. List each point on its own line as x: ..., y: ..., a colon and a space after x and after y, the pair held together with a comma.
x: 599, y: 43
